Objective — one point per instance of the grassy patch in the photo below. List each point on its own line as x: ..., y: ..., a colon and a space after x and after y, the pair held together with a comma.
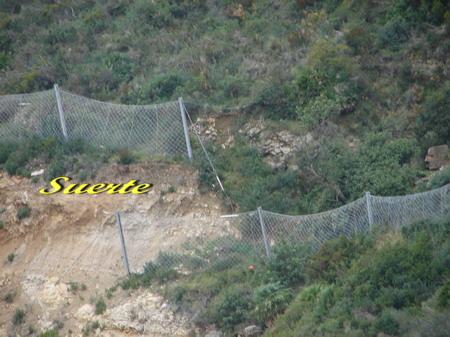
x: 19, y: 317
x: 100, y: 306
x: 50, y: 333
x: 11, y: 257
x: 23, y: 212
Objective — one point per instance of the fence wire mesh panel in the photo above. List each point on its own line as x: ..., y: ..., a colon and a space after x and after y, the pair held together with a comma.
x: 157, y: 129
x: 400, y: 211
x: 187, y: 246
x: 29, y: 114
x: 182, y: 244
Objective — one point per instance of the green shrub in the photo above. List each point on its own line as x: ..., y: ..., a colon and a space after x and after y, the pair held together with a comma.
x: 2, y: 225
x: 120, y: 65
x: 154, y: 14
x: 56, y: 169
x: 95, y: 20
x: 433, y: 123
x: 159, y: 88
x: 242, y: 164
x: 8, y: 6
x: 399, y: 272
x: 50, y: 333
x: 335, y: 257
x: 61, y: 34
x: 439, y: 179
x: 11, y: 257
x: 270, y: 300
x: 14, y: 162
x: 31, y: 330
x: 33, y: 81
x: 234, y: 87
x: 5, y: 21
x: 396, y: 276
x: 23, y: 212
x: 380, y: 166
x: 5, y: 150
x: 157, y: 272
x: 162, y: 87
x: 5, y: 41
x: 359, y: 39
x: 329, y: 86
x: 89, y: 328
x: 57, y: 324
x: 231, y: 307
x: 277, y: 101
x: 306, y: 315
x: 19, y: 317
x: 319, y: 110
x: 416, y: 12
x: 444, y: 296
x: 132, y: 282
x: 100, y: 306
x: 59, y: 156
x: 126, y: 157
x: 4, y: 60
x: 393, y: 34
x: 387, y: 324
x: 287, y: 263
x: 74, y: 287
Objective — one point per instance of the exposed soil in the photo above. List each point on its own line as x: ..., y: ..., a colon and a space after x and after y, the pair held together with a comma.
x: 74, y: 238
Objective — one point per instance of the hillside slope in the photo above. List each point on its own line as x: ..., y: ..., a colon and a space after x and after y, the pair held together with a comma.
x: 367, y: 80
x: 303, y: 106
x: 58, y: 261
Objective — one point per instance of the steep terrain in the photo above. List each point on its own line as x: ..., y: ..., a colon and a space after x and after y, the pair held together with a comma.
x: 303, y: 106
x: 72, y: 240
x: 367, y: 80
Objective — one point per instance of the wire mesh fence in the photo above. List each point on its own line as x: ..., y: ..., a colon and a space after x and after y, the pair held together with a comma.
x: 250, y: 237
x: 157, y: 129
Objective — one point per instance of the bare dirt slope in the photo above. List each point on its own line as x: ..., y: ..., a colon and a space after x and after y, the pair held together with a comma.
x: 73, y: 239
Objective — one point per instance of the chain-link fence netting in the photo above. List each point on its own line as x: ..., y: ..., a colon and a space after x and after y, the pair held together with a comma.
x: 185, y: 244
x: 252, y: 236
x: 29, y: 114
x: 157, y: 129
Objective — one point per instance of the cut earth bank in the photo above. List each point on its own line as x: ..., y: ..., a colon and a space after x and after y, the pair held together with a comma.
x: 59, y: 261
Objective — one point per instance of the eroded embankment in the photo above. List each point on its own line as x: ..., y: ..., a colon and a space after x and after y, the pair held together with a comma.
x: 73, y: 239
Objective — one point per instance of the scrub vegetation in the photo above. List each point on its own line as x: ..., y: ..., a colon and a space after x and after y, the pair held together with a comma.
x: 373, y: 71
x: 391, y: 283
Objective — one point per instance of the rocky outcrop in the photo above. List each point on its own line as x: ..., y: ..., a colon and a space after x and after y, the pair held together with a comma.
x: 279, y: 148
x: 252, y: 331
x: 205, y: 128
x: 148, y: 314
x: 214, y: 333
x: 436, y: 157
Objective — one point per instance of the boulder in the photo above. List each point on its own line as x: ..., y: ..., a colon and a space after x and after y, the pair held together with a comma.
x: 436, y: 157
x: 214, y: 333
x: 252, y: 331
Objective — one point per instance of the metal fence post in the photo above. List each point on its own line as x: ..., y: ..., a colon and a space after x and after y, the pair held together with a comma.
x: 263, y: 230
x: 443, y: 203
x: 62, y: 120
x: 185, y: 127
x: 369, y: 209
x: 122, y: 243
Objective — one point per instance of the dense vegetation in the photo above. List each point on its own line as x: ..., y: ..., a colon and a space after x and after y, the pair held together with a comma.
x: 377, y: 72
x: 390, y: 283
x: 76, y: 158
x: 373, y: 71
